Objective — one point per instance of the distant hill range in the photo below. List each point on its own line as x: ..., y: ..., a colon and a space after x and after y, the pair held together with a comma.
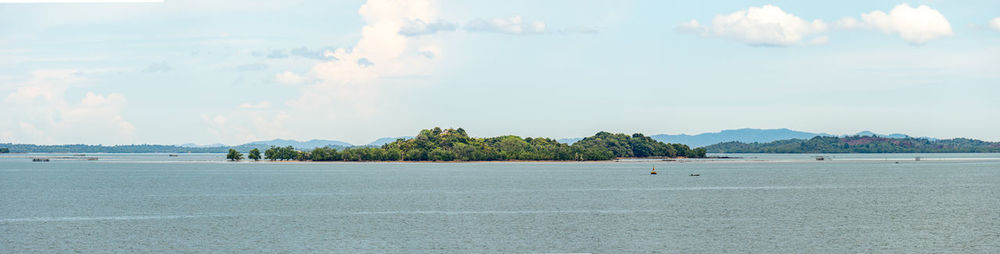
x: 740, y: 135
x: 745, y: 135
x: 738, y: 140
x: 302, y: 144
x: 184, y: 148
x: 382, y: 141
x: 860, y: 144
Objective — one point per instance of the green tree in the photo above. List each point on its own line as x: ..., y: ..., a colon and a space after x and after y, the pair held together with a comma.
x: 234, y: 155
x: 271, y: 153
x: 439, y: 144
x: 254, y: 154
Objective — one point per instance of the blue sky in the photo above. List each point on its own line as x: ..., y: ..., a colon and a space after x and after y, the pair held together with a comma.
x: 236, y: 71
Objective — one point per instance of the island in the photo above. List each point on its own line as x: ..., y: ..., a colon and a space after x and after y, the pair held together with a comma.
x: 456, y: 145
x: 860, y: 144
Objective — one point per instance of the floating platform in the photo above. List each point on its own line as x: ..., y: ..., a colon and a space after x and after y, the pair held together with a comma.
x: 68, y: 158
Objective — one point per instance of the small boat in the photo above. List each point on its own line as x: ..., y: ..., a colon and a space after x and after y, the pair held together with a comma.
x: 40, y: 159
x: 653, y: 172
x: 695, y: 174
x: 172, y: 155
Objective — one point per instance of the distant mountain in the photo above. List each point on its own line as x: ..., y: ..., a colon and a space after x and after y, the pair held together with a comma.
x: 859, y: 144
x: 301, y: 144
x: 200, y: 146
x: 741, y: 135
x: 745, y: 135
x: 386, y: 140
x: 568, y: 140
x: 894, y: 135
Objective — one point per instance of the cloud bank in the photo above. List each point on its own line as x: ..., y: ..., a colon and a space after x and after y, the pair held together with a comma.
x: 769, y: 25
x: 760, y: 26
x: 915, y: 25
x: 507, y: 25
x: 995, y: 23
x: 419, y: 27
x: 37, y: 111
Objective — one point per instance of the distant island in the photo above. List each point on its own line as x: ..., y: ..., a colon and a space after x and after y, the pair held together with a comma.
x: 860, y: 144
x: 80, y: 148
x: 726, y: 141
x: 455, y: 145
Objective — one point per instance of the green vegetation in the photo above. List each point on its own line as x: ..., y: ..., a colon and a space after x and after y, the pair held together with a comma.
x: 234, y: 155
x: 860, y: 144
x: 254, y: 154
x: 4, y: 150
x: 281, y: 153
x: 455, y: 145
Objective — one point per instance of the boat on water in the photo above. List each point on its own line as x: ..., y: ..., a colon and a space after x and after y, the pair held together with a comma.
x: 653, y: 172
x: 695, y: 175
x: 40, y: 159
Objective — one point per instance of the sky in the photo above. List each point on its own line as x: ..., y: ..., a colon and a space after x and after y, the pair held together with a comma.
x: 231, y: 72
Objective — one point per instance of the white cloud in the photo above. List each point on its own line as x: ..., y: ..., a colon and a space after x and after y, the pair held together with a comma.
x: 916, y: 25
x: 352, y: 79
x: 995, y: 23
x: 819, y: 40
x: 419, y: 27
x: 508, y: 25
x: 37, y: 111
x: 767, y: 25
x: 289, y: 78
x: 770, y: 26
x: 97, y: 100
x: 345, y: 88
x: 848, y: 23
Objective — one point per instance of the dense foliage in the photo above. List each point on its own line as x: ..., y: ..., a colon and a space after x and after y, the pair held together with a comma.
x: 234, y: 155
x: 860, y: 144
x: 281, y: 153
x: 456, y: 145
x: 254, y: 154
x: 4, y: 150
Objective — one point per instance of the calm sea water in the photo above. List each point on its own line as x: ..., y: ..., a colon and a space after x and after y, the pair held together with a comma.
x: 761, y: 203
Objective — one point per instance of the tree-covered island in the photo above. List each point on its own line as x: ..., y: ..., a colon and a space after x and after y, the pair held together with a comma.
x: 860, y: 144
x: 455, y: 145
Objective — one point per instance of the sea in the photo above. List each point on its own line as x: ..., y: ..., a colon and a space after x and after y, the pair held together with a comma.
x: 757, y: 203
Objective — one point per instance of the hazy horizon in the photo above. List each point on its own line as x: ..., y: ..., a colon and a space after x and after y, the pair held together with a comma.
x: 232, y: 72
x: 473, y: 134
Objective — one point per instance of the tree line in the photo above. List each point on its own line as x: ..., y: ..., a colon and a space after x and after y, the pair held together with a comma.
x: 455, y: 145
x: 860, y: 144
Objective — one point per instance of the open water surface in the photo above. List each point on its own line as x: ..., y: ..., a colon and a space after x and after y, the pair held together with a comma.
x: 760, y: 203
